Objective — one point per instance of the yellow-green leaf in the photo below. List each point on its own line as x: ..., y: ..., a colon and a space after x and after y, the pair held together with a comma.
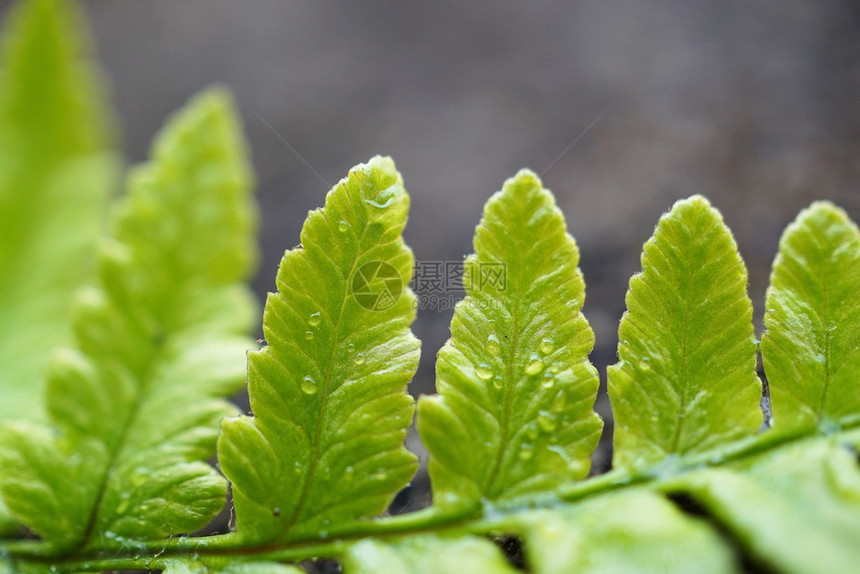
x: 328, y: 391
x: 426, y: 555
x: 136, y: 406
x: 811, y: 348
x: 514, y: 414
x: 685, y: 382
x: 56, y: 173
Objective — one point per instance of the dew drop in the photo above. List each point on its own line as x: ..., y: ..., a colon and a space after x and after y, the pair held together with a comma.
x: 382, y: 200
x: 546, y: 346
x: 532, y: 432
x: 559, y: 403
x: 309, y: 335
x: 359, y: 359
x: 493, y: 345
x: 351, y: 347
x: 525, y: 452
x: 276, y: 511
x: 546, y: 422
x: 343, y: 226
x: 555, y: 368
x: 497, y: 382
x: 309, y: 386
x: 484, y: 372
x: 314, y: 319
x: 548, y: 381
x: 534, y: 366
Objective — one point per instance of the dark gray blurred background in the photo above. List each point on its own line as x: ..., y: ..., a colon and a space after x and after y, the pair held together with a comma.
x: 754, y: 104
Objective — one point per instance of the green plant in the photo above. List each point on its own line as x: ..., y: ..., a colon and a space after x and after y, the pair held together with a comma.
x: 110, y: 473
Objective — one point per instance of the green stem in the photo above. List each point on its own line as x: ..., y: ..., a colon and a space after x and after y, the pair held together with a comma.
x: 480, y: 521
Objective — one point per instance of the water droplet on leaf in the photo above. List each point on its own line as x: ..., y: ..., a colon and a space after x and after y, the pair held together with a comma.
x: 546, y: 422
x: 484, y: 372
x: 548, y: 381
x: 314, y: 319
x: 383, y: 199
x: 559, y: 402
x: 359, y: 359
x: 534, y: 366
x: 309, y: 386
x: 546, y: 346
x: 493, y: 345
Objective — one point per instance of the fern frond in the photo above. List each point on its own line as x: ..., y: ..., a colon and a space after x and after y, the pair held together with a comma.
x: 135, y: 407
x: 325, y: 444
x: 633, y: 531
x: 794, y: 509
x: 514, y: 414
x: 685, y: 382
x: 811, y: 346
x: 426, y: 555
x: 56, y: 173
x: 180, y: 566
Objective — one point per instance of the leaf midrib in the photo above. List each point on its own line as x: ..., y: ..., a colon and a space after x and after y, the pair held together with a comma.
x: 303, y: 497
x: 825, y: 303
x: 145, y: 379
x: 504, y: 443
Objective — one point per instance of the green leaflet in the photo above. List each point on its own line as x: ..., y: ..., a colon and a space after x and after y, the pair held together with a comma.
x: 426, y: 555
x: 629, y: 532
x: 24, y: 568
x: 514, y: 412
x: 136, y: 405
x: 685, y: 382
x: 794, y: 509
x: 811, y: 348
x: 194, y: 567
x: 136, y: 398
x: 331, y: 413
x: 55, y: 178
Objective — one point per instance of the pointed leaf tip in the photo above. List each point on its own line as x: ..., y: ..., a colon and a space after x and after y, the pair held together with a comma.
x: 685, y: 381
x: 812, y: 322
x: 514, y: 411
x: 135, y: 407
x: 328, y: 392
